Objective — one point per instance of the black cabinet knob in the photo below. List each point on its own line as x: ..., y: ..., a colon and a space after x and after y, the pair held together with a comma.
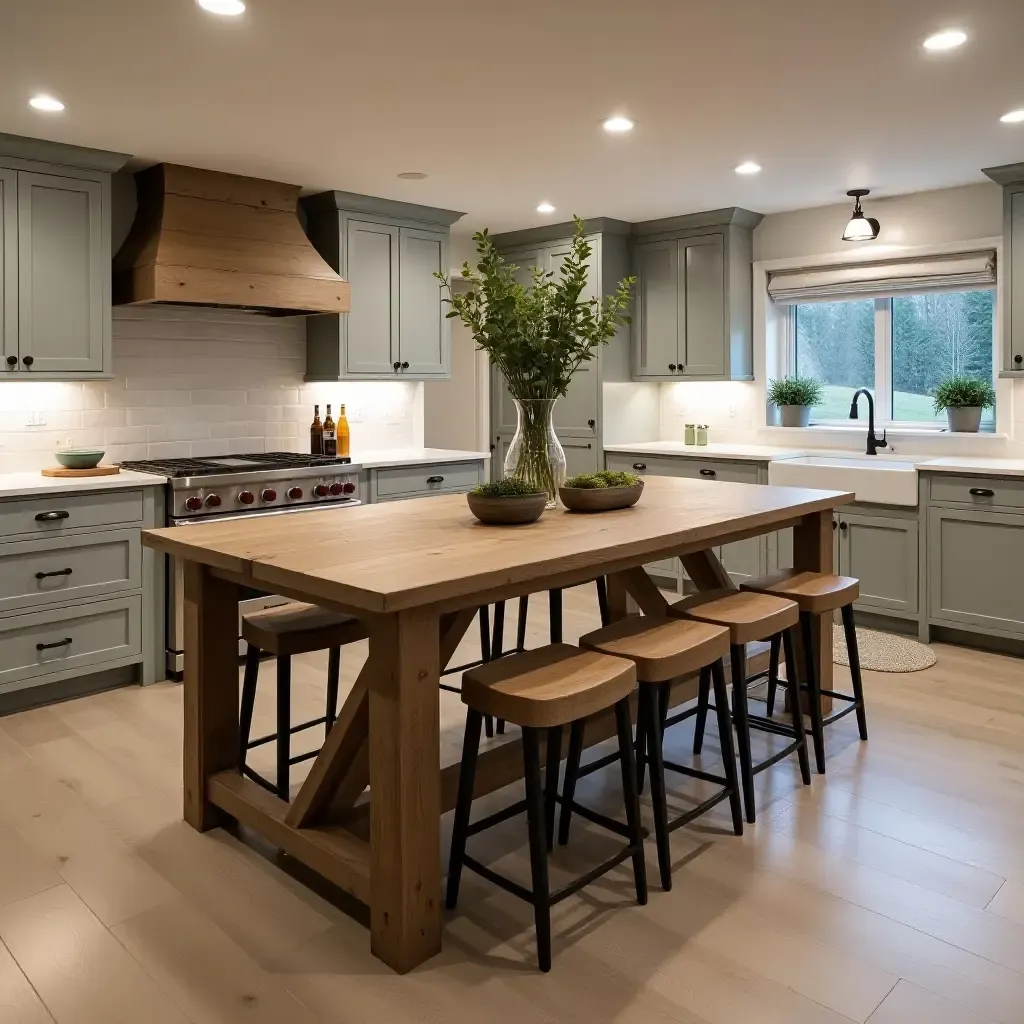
x: 405, y: 366
x: 844, y: 527
x: 1018, y: 360
x: 396, y: 366
x: 592, y: 424
x: 27, y: 360
x: 12, y: 360
x: 834, y: 524
x: 435, y: 479
x: 708, y: 472
x: 672, y: 367
x: 641, y: 466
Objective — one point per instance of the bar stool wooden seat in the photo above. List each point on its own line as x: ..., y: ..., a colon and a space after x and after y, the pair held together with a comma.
x: 283, y: 631
x: 817, y: 593
x: 663, y: 650
x: 542, y: 691
x: 749, y: 618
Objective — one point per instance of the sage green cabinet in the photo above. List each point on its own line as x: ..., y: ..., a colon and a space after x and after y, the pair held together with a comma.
x: 1011, y: 268
x: 974, y: 570
x: 581, y: 456
x: 389, y: 252
x: 882, y: 552
x: 693, y: 316
x: 55, y: 319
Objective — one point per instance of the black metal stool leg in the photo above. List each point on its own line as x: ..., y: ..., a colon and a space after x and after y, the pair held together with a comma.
x: 602, y: 601
x: 703, y: 699
x: 485, y: 656
x: 773, y: 674
x: 555, y: 615
x: 551, y: 782
x: 858, y: 684
x: 284, y: 724
x: 572, y: 767
x: 631, y: 798
x: 728, y: 748
x: 796, y: 708
x: 649, y: 701
x: 252, y: 669
x: 644, y: 722
x: 463, y: 806
x: 333, y: 673
x: 538, y: 845
x: 524, y: 611
x: 498, y: 633
x: 813, y: 691
x: 738, y: 658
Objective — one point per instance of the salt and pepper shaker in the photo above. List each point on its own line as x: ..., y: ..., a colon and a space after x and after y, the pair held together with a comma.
x: 702, y: 434
x: 689, y: 435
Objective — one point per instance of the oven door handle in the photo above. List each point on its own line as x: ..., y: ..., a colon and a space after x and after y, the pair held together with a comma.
x: 235, y: 516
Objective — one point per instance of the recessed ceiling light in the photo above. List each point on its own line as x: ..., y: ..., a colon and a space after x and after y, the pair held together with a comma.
x: 48, y: 103
x: 1013, y: 117
x: 545, y: 208
x: 413, y: 175
x: 947, y: 39
x: 749, y: 168
x: 229, y: 8
x: 618, y: 124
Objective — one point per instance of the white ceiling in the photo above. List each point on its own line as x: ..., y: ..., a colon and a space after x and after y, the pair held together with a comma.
x: 501, y: 104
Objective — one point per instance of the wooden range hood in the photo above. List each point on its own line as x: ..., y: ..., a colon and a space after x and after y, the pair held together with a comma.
x: 202, y: 238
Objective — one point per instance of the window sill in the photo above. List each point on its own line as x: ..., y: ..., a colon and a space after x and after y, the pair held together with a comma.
x: 893, y: 430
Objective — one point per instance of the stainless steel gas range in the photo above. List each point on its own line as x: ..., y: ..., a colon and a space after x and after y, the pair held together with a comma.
x: 231, y: 487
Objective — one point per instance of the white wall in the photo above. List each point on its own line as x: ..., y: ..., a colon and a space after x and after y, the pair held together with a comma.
x: 200, y: 382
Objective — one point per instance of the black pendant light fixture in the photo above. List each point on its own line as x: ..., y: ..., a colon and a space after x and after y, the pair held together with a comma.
x: 860, y: 228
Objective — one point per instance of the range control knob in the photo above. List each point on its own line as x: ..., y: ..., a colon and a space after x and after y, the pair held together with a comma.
x: 269, y: 494
x: 349, y: 488
x: 295, y: 493
x: 194, y: 504
x: 213, y: 501
x: 337, y: 489
x: 321, y: 490
x: 246, y: 497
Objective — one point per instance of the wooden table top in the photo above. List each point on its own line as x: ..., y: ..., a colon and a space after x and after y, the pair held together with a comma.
x: 406, y: 554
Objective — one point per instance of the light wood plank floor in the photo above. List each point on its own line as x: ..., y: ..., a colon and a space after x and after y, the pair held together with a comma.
x: 891, y: 891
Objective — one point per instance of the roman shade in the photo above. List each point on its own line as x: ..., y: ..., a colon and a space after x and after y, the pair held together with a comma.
x: 882, y: 279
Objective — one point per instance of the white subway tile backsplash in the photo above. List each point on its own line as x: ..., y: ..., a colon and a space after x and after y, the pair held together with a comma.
x: 199, y: 382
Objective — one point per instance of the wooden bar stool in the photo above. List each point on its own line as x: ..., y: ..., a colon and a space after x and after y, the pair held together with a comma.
x: 749, y: 618
x: 283, y: 631
x: 817, y: 593
x: 663, y: 650
x: 544, y: 690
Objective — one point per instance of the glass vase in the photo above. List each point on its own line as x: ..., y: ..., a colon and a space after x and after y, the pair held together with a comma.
x: 535, y: 454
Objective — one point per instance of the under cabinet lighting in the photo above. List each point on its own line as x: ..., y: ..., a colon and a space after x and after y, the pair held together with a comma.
x: 617, y: 125
x: 50, y: 104
x: 545, y: 208
x: 749, y: 167
x: 1013, y: 117
x: 228, y: 8
x: 947, y: 39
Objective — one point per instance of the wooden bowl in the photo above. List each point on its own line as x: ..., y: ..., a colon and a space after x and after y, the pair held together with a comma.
x: 600, y: 499
x: 508, y: 511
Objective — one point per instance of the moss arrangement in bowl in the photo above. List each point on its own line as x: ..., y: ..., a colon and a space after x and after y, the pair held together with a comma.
x: 507, y: 502
x: 601, y: 492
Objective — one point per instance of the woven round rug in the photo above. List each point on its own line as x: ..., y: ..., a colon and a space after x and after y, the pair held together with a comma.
x: 884, y: 652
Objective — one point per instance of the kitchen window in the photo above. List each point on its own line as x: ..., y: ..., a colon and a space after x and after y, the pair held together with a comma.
x: 899, y: 348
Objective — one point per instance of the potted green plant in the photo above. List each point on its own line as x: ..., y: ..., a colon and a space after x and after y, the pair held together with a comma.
x: 509, y: 501
x: 537, y: 335
x: 794, y: 397
x: 964, y: 399
x: 601, y: 492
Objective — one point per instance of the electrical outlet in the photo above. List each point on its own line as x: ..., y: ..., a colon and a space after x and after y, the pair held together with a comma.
x: 355, y: 414
x: 35, y: 419
x: 732, y: 411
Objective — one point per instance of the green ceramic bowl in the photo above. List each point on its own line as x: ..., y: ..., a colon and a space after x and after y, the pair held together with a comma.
x: 79, y: 458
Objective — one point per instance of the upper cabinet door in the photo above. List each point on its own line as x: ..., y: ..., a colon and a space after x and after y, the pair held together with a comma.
x: 8, y: 271
x: 373, y: 272
x: 656, y: 321
x: 424, y: 332
x: 1014, y: 319
x: 703, y: 342
x: 64, y: 275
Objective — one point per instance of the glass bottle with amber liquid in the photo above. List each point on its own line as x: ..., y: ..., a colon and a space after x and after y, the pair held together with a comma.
x: 330, y: 436
x: 344, y: 435
x: 316, y: 433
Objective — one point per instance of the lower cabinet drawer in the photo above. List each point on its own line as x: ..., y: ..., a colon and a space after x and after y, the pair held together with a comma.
x: 692, y: 467
x: 981, y: 492
x: 38, y: 644
x: 37, y: 573
x: 50, y: 516
x: 418, y: 481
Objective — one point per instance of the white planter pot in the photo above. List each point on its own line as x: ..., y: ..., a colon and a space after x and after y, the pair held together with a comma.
x: 795, y: 415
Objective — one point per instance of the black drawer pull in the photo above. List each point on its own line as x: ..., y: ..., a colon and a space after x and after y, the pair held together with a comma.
x: 708, y: 472
x: 982, y: 492
x: 59, y: 643
x: 435, y: 479
x: 56, y: 572
x: 51, y: 517
x: 640, y: 466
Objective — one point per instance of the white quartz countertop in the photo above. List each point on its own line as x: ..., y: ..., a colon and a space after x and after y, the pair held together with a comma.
x: 24, y: 485
x: 412, y: 457
x: 966, y: 464
x: 717, y: 450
